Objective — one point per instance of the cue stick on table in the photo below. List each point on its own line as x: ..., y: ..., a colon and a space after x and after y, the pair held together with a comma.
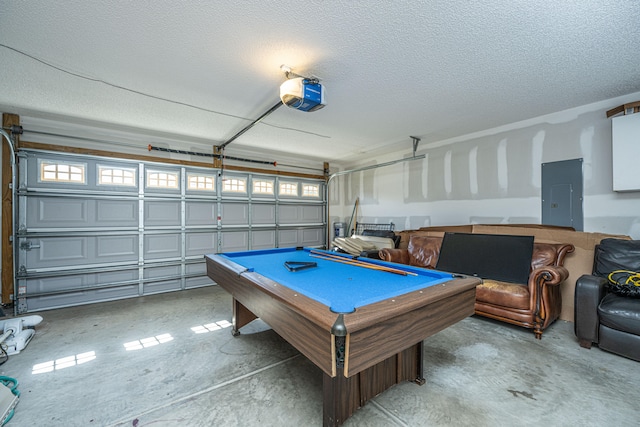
x: 357, y: 263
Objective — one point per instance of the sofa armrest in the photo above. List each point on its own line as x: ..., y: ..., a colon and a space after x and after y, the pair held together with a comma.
x: 547, y: 275
x: 589, y: 291
x: 540, y: 279
x: 400, y: 256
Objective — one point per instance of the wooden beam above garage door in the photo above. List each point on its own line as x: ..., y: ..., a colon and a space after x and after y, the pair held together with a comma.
x: 111, y: 154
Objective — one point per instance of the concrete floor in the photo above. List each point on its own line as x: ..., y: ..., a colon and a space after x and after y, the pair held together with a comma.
x: 77, y: 371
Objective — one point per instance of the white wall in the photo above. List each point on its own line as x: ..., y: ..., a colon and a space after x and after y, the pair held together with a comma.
x: 493, y: 176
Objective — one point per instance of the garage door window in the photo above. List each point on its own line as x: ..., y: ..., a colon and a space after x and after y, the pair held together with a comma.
x: 288, y: 189
x: 116, y: 176
x: 310, y: 190
x: 162, y: 179
x: 53, y: 171
x: 261, y: 186
x: 201, y: 182
x: 234, y: 185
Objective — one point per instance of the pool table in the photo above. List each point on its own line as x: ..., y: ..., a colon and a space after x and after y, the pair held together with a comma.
x: 362, y: 326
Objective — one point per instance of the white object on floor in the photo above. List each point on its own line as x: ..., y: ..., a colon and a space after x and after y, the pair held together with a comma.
x: 17, y: 333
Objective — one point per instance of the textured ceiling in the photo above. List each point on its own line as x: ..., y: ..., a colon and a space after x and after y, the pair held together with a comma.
x: 205, y: 69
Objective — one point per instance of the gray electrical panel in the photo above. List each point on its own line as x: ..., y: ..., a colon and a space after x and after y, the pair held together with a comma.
x: 562, y: 194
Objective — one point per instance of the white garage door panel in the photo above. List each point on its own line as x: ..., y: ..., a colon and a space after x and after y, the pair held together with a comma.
x: 199, y: 270
x: 300, y: 214
x: 56, y: 212
x: 288, y: 214
x: 85, y: 288
x: 235, y: 214
x: 197, y: 282
x: 69, y: 212
x: 67, y: 299
x: 79, y: 250
x: 170, y: 273
x: 311, y: 214
x: 196, y: 268
x: 235, y: 241
x: 162, y: 286
x: 162, y: 246
x: 117, y: 248
x: 58, y: 251
x: 161, y: 213
x: 312, y: 237
x: 116, y: 213
x: 200, y: 213
x: 162, y: 271
x: 52, y: 284
x: 288, y: 238
x: 79, y: 281
x: 301, y: 237
x: 113, y: 277
x: 201, y: 243
x: 263, y: 239
x: 263, y: 214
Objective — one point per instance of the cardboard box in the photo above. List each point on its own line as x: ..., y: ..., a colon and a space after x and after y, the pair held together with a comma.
x: 577, y: 263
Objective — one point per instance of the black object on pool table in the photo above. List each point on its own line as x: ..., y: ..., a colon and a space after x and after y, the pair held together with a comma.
x: 488, y: 256
x: 299, y: 265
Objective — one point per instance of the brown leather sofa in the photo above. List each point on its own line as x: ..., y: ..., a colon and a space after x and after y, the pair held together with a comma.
x: 535, y: 305
x: 603, y: 317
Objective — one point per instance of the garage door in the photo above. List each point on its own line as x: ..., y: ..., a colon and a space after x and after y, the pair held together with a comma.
x: 96, y: 229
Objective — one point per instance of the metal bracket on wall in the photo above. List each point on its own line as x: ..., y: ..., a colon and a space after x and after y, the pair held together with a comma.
x: 416, y: 141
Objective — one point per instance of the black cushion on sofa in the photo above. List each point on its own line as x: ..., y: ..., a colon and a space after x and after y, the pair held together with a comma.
x: 620, y: 313
x: 616, y: 254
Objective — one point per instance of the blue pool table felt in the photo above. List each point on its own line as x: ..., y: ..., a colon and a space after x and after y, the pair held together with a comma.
x: 341, y: 287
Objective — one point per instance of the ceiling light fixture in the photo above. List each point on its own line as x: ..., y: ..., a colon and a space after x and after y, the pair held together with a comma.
x: 301, y: 93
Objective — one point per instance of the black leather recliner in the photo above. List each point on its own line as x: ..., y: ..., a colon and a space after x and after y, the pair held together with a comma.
x: 602, y: 317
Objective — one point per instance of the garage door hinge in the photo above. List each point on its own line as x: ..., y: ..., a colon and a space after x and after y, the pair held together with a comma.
x: 27, y: 246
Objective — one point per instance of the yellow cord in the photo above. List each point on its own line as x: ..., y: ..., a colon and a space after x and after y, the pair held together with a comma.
x: 632, y: 279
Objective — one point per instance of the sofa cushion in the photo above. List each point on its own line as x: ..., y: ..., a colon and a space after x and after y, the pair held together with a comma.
x: 616, y: 254
x: 424, y: 250
x: 620, y: 313
x: 622, y: 343
x: 504, y: 294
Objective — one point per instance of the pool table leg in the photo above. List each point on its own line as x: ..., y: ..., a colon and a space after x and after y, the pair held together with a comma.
x: 342, y: 396
x: 420, y: 377
x: 241, y: 316
x: 340, y: 399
